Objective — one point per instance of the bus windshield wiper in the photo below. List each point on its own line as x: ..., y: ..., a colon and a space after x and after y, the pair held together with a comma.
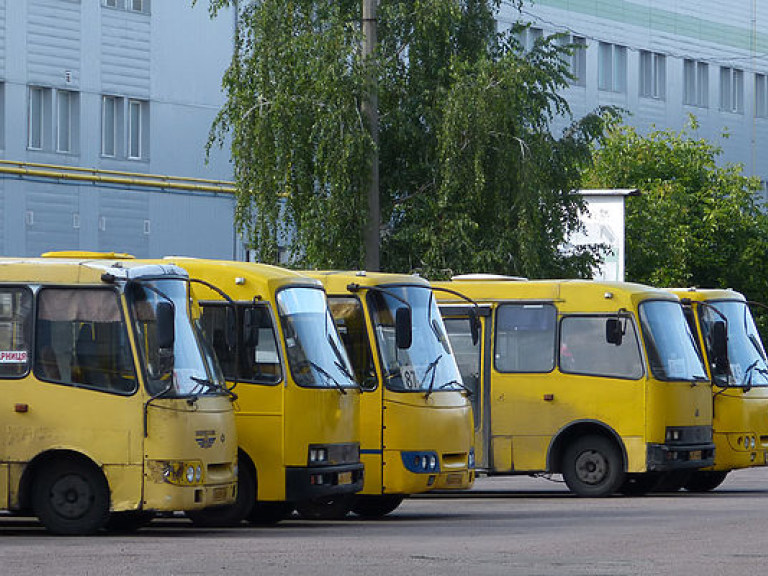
x: 211, y: 385
x: 456, y: 383
x: 328, y: 376
x: 339, y: 362
x: 432, y: 367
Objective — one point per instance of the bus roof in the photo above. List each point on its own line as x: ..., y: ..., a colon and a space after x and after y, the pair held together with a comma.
x: 704, y: 294
x: 336, y: 281
x: 572, y: 295
x: 240, y: 280
x: 80, y: 269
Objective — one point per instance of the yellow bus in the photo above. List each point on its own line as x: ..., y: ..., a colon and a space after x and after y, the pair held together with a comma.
x: 599, y: 382
x: 297, y: 410
x: 416, y: 418
x: 114, y: 408
x: 739, y: 376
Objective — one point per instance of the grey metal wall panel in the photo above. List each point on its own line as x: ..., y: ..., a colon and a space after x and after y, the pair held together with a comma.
x: 49, y: 217
x: 3, y: 48
x: 122, y: 216
x: 2, y: 216
x: 125, y: 52
x: 53, y: 42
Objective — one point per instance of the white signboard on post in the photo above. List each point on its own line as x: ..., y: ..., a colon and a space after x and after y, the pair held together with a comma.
x: 604, y: 224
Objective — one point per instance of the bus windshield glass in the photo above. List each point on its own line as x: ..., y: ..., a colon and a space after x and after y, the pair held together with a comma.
x: 183, y: 371
x: 672, y: 352
x: 428, y: 365
x: 316, y: 356
x: 746, y: 354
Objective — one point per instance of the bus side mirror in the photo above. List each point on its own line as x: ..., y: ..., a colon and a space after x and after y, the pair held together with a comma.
x: 720, y: 347
x: 166, y: 327
x: 250, y: 328
x: 474, y: 325
x: 613, y: 331
x: 403, y: 328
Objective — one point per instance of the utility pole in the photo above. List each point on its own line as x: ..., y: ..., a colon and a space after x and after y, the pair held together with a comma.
x: 370, y: 109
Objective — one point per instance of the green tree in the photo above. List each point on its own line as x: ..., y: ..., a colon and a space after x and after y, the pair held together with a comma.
x: 471, y: 175
x: 695, y: 222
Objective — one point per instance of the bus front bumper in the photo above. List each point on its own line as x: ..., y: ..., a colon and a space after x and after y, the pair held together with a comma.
x: 666, y: 457
x: 312, y: 482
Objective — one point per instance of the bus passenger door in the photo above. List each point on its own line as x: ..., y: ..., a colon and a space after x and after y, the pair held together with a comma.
x: 473, y: 359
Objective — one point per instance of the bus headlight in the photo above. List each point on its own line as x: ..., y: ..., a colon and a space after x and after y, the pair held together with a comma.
x: 421, y: 462
x: 178, y: 473
x: 471, y: 459
x: 318, y: 455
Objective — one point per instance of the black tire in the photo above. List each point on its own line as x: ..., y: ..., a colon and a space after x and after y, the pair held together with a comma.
x: 329, y: 508
x: 234, y: 514
x: 376, y: 506
x: 639, y: 484
x: 269, y: 513
x: 705, y: 481
x: 127, y: 522
x: 71, y: 497
x: 592, y: 467
x: 672, y: 481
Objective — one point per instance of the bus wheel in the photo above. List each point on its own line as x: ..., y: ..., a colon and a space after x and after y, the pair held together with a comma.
x: 330, y: 508
x: 592, y: 467
x: 71, y: 498
x: 376, y: 506
x: 130, y: 521
x: 705, y: 481
x: 639, y: 484
x: 268, y: 513
x: 234, y: 514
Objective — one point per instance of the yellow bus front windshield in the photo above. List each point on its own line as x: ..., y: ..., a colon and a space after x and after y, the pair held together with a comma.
x: 672, y: 351
x: 746, y: 355
x: 183, y: 371
x: 312, y: 344
x: 426, y: 365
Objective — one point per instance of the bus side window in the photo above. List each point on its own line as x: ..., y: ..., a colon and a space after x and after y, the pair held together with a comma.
x: 525, y: 338
x: 348, y: 315
x: 15, y: 331
x: 82, y: 340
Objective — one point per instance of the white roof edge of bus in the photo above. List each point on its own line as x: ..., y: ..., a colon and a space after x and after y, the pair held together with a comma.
x: 608, y: 192
x: 488, y: 277
x: 135, y: 270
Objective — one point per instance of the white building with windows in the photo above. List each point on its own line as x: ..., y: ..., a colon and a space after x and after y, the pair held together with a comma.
x: 662, y: 60
x: 105, y: 110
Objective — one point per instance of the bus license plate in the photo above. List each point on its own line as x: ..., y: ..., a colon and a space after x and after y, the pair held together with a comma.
x: 695, y: 455
x: 345, y: 477
x: 220, y: 494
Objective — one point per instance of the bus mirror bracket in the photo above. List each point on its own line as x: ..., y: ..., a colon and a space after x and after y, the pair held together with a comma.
x: 474, y: 325
x: 614, y: 333
x: 403, y: 328
x: 720, y: 347
x: 166, y: 334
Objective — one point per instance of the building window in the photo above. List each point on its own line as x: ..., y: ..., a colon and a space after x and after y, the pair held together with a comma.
x: 111, y: 3
x: 109, y: 115
x: 579, y: 60
x: 64, y: 117
x: 731, y: 90
x: 528, y: 37
x: 695, y: 83
x: 612, y: 68
x: 134, y: 129
x: 653, y: 73
x: 761, y: 96
x: 137, y: 5
x: 39, y: 118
